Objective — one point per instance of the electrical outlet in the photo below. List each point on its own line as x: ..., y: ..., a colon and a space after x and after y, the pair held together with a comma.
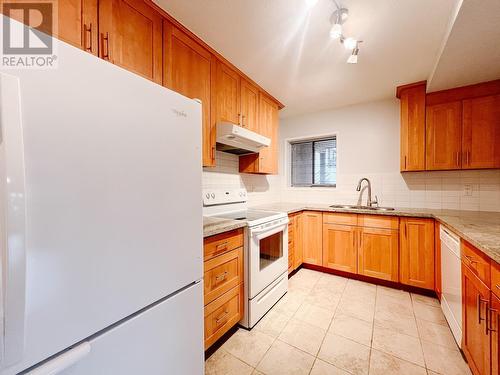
x: 468, y: 190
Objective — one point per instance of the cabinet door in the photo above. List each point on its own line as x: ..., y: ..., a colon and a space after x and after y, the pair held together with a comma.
x: 475, y: 340
x: 378, y: 253
x: 227, y: 94
x: 312, y: 237
x: 130, y: 35
x: 417, y: 252
x: 340, y: 247
x: 412, y: 102
x: 495, y: 335
x: 444, y: 136
x: 298, y: 241
x: 291, y: 243
x: 249, y: 106
x: 437, y: 260
x: 187, y: 70
x: 481, y: 132
x: 266, y: 161
x: 77, y: 23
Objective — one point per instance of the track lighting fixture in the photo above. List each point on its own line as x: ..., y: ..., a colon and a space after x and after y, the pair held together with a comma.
x: 337, y: 19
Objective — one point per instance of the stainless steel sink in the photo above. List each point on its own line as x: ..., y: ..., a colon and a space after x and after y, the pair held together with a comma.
x: 359, y: 207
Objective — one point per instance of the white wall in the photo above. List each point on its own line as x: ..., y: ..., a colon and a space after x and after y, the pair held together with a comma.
x: 368, y: 146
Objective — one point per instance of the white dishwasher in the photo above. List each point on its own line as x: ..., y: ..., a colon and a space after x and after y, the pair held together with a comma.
x: 451, y: 278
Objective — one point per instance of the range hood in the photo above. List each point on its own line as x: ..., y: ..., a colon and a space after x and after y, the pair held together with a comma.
x: 240, y: 141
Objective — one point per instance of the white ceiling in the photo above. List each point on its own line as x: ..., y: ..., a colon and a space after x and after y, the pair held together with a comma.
x: 472, y: 51
x: 287, y: 49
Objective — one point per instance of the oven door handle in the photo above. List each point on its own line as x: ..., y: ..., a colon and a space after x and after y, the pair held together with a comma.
x: 266, y: 232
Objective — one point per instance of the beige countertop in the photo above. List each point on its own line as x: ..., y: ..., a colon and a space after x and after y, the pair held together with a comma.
x: 215, y: 225
x: 481, y: 229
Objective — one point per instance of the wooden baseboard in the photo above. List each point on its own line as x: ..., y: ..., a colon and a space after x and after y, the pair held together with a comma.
x: 372, y: 280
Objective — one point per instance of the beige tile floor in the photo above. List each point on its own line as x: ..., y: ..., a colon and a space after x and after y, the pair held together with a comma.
x: 327, y: 324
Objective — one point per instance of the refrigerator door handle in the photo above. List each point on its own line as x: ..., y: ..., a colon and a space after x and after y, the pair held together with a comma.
x: 13, y: 222
x: 63, y: 361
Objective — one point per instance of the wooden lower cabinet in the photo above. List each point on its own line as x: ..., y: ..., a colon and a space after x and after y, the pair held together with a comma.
x: 417, y: 252
x: 495, y: 335
x: 291, y: 244
x: 222, y: 314
x: 340, y: 247
x: 223, y: 283
x: 378, y: 253
x: 298, y: 243
x: 312, y: 223
x: 437, y: 260
x: 476, y: 336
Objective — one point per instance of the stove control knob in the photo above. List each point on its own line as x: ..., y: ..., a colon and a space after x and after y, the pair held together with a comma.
x: 207, y: 195
x: 213, y: 195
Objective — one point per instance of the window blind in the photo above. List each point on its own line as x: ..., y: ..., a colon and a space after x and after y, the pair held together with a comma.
x: 314, y: 162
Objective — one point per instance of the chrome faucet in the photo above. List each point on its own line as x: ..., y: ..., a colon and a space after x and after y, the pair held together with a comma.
x: 369, y: 201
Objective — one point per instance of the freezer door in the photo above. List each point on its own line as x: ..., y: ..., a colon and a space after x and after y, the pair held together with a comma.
x: 166, y: 339
x: 111, y: 199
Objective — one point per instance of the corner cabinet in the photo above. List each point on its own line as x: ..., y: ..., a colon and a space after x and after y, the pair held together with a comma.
x: 266, y: 161
x: 417, y: 252
x: 412, y: 101
x: 187, y: 70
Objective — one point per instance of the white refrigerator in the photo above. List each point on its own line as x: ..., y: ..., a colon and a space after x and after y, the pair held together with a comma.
x: 101, y: 222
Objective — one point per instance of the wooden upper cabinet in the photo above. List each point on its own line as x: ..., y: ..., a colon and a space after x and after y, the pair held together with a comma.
x: 227, y: 94
x: 130, y: 35
x: 266, y: 161
x: 378, y: 253
x: 249, y: 106
x: 77, y: 24
x: 340, y: 247
x: 187, y: 70
x: 481, y: 132
x: 312, y: 223
x: 417, y: 252
x: 444, y: 136
x: 412, y: 100
x: 475, y: 340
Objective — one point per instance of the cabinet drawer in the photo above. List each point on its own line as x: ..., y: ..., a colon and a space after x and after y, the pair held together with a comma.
x: 222, y: 314
x: 340, y: 218
x: 477, y: 262
x: 379, y: 221
x: 222, y: 243
x: 495, y: 278
x: 222, y: 273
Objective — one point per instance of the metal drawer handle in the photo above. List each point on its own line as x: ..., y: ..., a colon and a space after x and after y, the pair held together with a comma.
x: 490, y: 326
x: 89, y: 31
x: 221, y: 317
x: 479, y: 317
x: 221, y: 276
x: 221, y: 247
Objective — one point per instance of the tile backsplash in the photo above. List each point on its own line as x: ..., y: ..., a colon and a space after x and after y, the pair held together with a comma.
x: 261, y: 188
x: 464, y: 190
x: 461, y: 190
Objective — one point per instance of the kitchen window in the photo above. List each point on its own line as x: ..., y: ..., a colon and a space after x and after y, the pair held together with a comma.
x: 314, y: 162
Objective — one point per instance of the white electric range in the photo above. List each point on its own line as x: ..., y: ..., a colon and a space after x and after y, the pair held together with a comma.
x: 265, y: 251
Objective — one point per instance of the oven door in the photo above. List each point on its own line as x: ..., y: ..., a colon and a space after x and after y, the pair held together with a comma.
x: 268, y: 258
